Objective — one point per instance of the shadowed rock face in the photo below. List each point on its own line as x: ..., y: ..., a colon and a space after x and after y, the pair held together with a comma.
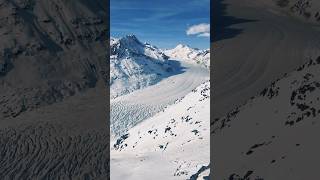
x: 49, y: 50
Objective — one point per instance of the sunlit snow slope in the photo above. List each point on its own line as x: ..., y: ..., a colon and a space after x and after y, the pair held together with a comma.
x: 173, y: 144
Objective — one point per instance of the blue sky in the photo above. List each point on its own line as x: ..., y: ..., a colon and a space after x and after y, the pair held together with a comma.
x: 163, y: 23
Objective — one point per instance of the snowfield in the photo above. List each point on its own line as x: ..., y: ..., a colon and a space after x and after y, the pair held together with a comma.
x: 173, y: 144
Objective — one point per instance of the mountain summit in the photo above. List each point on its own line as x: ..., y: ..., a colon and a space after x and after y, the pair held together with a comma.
x: 134, y: 65
x: 184, y: 52
x: 131, y: 46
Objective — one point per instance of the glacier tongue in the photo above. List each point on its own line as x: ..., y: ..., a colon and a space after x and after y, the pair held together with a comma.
x: 128, y: 110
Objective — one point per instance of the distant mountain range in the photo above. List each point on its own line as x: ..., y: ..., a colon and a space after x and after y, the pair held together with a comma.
x: 184, y: 52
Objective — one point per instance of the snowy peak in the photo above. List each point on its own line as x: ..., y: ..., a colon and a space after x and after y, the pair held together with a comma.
x: 131, y: 42
x: 131, y: 46
x: 131, y: 38
x: 182, y: 46
x: 126, y: 46
x: 186, y: 53
x: 135, y: 65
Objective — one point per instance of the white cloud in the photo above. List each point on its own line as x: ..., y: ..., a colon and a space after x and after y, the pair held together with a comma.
x: 204, y: 34
x: 201, y: 30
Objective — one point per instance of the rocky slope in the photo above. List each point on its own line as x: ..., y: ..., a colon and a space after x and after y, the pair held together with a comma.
x: 134, y: 65
x: 273, y: 135
x: 49, y: 50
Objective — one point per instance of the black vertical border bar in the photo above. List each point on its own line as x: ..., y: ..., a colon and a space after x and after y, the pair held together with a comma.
x: 107, y: 81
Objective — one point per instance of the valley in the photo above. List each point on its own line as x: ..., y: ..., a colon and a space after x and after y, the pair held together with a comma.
x: 163, y: 119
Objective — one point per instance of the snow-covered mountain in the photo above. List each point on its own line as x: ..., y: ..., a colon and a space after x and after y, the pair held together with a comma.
x: 275, y: 134
x: 174, y: 144
x: 135, y: 65
x: 184, y: 52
